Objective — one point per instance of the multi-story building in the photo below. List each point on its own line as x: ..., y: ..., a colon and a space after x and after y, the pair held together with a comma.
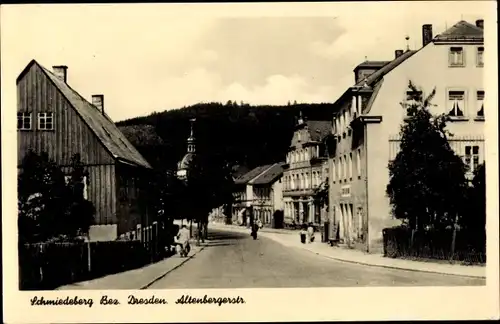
x: 268, y: 196
x: 243, y: 195
x: 368, y: 117
x: 305, y: 170
x: 53, y: 118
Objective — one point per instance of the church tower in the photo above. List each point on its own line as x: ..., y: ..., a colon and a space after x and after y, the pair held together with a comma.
x: 184, y: 164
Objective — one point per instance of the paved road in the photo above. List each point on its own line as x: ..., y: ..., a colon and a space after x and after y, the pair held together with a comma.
x: 235, y: 260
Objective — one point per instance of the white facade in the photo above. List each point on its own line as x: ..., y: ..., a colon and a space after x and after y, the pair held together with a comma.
x: 359, y: 169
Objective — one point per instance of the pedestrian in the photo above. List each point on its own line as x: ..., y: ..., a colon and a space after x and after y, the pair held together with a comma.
x: 310, y: 233
x: 259, y: 223
x: 303, y: 234
x: 255, y: 229
x: 183, y: 238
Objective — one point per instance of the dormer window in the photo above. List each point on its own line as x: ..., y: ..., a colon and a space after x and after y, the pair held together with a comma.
x: 456, y: 56
x: 456, y: 103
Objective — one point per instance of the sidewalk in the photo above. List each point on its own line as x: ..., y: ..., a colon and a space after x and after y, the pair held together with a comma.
x: 140, y: 278
x: 291, y: 238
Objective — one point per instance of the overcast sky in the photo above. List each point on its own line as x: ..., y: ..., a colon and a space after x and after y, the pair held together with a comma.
x: 149, y: 57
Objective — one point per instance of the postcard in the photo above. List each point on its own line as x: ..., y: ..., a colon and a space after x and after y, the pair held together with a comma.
x: 331, y: 161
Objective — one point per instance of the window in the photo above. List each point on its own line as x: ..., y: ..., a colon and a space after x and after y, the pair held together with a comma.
x: 358, y: 163
x: 456, y: 103
x: 24, y: 121
x: 339, y: 169
x: 350, y: 166
x: 334, y: 175
x: 479, y: 58
x: 45, y: 121
x: 480, y: 103
x: 471, y: 157
x: 344, y: 171
x: 344, y: 119
x: 298, y: 136
x: 456, y: 56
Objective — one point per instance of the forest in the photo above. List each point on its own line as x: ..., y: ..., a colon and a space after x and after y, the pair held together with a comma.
x: 241, y: 133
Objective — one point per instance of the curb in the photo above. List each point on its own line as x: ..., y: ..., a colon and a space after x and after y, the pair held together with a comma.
x: 172, y: 269
x: 395, y: 267
x: 376, y: 265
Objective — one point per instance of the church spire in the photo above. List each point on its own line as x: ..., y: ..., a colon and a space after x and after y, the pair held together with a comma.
x: 301, y: 120
x: 191, y: 147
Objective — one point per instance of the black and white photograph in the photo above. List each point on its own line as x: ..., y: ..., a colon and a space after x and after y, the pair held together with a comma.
x: 181, y: 147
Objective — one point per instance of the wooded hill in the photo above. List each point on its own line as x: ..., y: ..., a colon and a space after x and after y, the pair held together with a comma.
x: 241, y: 133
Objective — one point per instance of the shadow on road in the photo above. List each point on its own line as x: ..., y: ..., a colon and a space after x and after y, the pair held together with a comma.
x: 213, y: 244
x: 226, y: 236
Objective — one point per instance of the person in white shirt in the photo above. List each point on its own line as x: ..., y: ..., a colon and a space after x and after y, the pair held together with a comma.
x: 183, y: 238
x: 310, y: 233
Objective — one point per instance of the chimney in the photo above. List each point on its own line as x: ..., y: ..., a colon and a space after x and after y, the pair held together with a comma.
x: 480, y: 23
x: 398, y: 53
x: 61, y: 71
x: 98, y: 102
x: 426, y: 34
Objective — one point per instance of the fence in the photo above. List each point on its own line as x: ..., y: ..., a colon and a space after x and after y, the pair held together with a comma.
x: 49, y: 265
x: 469, y: 248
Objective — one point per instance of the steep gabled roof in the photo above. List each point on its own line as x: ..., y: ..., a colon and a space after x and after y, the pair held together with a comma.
x: 461, y: 31
x: 249, y: 176
x: 318, y: 129
x: 100, y: 124
x: 270, y: 175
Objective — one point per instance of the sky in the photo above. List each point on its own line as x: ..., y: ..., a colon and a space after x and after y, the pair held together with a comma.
x: 155, y: 57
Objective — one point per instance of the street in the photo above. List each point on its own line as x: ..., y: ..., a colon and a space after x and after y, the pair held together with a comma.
x: 235, y: 260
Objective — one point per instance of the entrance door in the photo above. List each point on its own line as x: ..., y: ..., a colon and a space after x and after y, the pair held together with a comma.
x: 305, y: 212
x: 297, y: 212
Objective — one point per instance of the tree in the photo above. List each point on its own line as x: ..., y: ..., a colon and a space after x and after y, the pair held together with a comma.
x: 48, y: 206
x: 209, y: 184
x: 42, y: 198
x: 80, y: 212
x: 474, y: 220
x: 321, y: 194
x: 427, y: 179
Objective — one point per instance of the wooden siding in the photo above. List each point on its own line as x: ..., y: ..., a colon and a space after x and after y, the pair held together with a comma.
x: 36, y: 93
x: 101, y: 191
x: 131, y: 198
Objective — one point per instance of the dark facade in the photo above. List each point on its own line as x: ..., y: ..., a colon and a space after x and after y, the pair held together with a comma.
x: 55, y: 119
